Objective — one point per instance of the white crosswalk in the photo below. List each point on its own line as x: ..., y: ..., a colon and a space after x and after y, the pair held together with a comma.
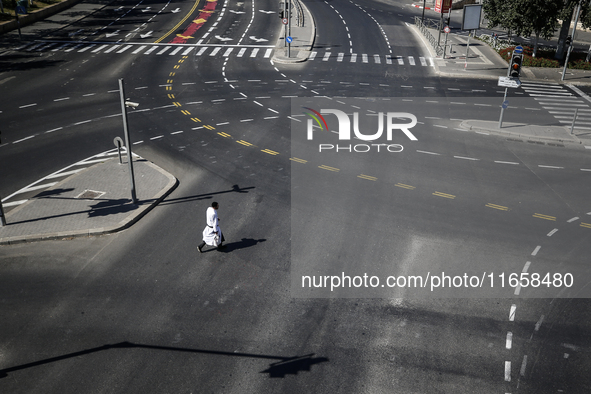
x: 560, y: 103
x: 223, y: 51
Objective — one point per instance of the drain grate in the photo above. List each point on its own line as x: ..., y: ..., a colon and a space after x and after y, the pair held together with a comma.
x: 89, y: 195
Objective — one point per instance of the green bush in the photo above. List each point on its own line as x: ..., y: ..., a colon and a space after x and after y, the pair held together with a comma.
x: 544, y: 57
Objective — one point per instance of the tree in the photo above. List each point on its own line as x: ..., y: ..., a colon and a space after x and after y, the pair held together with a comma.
x: 525, y: 17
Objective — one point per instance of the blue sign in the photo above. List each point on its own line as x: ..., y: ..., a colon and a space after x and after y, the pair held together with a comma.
x: 505, y: 104
x: 289, y: 39
x: 519, y: 49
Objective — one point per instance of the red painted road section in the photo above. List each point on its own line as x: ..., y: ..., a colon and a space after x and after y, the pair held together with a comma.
x: 196, y: 24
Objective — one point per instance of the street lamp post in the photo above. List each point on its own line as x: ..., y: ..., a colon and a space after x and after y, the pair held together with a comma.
x: 127, y: 141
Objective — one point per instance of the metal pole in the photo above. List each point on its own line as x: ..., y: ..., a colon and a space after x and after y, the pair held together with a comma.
x: 467, y: 51
x: 289, y: 30
x: 572, y: 42
x: 423, y: 17
x: 572, y: 127
x: 2, y: 218
x: 503, y: 109
x: 440, y: 27
x: 127, y: 143
x: 445, y: 45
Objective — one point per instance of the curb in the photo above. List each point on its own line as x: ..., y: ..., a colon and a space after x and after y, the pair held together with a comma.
x: 122, y: 225
x: 528, y: 137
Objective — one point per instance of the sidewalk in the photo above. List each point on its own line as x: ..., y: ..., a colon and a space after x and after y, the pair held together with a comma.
x: 92, y: 202
x: 485, y: 62
x: 303, y: 40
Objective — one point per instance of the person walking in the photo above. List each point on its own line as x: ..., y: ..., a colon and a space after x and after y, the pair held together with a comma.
x: 212, y: 233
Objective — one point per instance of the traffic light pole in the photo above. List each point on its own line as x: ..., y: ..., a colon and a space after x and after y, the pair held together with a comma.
x: 503, y: 109
x: 572, y: 42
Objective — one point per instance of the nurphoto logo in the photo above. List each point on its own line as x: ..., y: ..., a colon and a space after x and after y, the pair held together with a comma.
x: 344, y: 130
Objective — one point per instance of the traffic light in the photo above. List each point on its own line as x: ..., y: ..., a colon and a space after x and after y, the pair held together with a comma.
x: 568, y: 41
x: 515, y: 65
x: 281, y: 14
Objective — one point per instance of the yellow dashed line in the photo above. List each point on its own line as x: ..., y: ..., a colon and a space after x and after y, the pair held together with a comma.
x: 172, y: 74
x: 169, y: 81
x: 587, y: 225
x: 329, y: 168
x: 369, y: 178
x: 169, y: 88
x: 244, y: 143
x: 209, y: 127
x: 177, y: 67
x: 271, y: 152
x: 224, y: 134
x: 196, y: 119
x: 540, y: 216
x: 409, y: 187
x: 177, y: 104
x: 170, y: 96
x: 185, y: 112
x: 495, y: 206
x: 439, y: 194
x: 298, y: 160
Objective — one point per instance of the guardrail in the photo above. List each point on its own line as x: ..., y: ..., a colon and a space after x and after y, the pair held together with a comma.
x: 299, y: 13
x: 432, y: 40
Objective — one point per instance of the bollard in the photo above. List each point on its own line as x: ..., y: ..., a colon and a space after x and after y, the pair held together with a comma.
x: 572, y: 127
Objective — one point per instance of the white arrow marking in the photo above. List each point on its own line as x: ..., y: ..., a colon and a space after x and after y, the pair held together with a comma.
x: 112, y: 34
x: 257, y: 39
x: 118, y: 9
x: 148, y: 34
x: 223, y: 38
x: 267, y: 12
x: 176, y: 10
x: 237, y: 12
x: 146, y: 9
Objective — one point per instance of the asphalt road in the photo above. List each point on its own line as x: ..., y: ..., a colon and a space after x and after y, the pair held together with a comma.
x: 143, y: 311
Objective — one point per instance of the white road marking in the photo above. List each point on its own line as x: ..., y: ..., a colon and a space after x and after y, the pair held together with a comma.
x: 509, y: 341
x: 536, y: 250
x: 512, y: 312
x: 429, y: 153
x: 507, y: 371
x: 552, y: 232
x: 506, y: 162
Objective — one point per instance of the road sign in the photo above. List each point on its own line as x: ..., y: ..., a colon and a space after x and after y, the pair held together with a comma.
x: 442, y: 6
x: 508, y: 82
x: 289, y: 39
x: 518, y: 49
x: 505, y: 104
x: 284, y: 20
x: 446, y: 29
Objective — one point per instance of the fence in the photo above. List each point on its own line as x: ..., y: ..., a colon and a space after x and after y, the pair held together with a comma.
x: 424, y: 28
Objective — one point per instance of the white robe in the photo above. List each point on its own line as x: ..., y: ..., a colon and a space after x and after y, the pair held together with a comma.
x: 209, y: 235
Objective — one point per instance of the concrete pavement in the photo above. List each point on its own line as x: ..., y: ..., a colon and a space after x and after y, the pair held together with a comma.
x: 91, y: 202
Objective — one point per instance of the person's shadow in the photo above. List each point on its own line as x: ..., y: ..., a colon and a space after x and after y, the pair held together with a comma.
x: 244, y: 243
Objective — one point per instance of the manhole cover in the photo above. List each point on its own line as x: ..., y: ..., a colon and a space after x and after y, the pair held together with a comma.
x: 89, y: 195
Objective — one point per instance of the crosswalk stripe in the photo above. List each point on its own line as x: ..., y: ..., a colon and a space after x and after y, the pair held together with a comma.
x: 177, y: 50
x: 364, y: 58
x: 228, y: 51
x: 215, y: 51
x: 400, y: 60
x: 340, y: 56
x: 125, y: 48
x: 353, y: 57
x: 201, y: 51
x: 326, y: 56
x: 268, y: 53
x: 111, y: 49
x: 152, y: 49
x: 388, y: 60
x: 166, y: 48
x: 86, y: 48
x: 139, y: 50
x: 187, y: 51
x: 241, y: 52
x: 61, y: 47
x: 74, y: 47
x: 98, y: 49
x: 312, y: 55
x: 411, y: 60
x: 377, y: 59
x: 423, y: 61
x: 254, y: 52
